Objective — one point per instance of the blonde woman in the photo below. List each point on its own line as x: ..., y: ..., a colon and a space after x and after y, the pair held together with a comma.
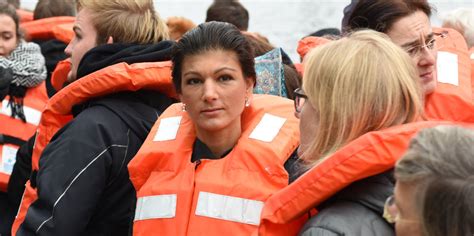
x: 357, y: 92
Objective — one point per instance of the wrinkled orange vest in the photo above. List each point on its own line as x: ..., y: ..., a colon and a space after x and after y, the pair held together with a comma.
x: 453, y: 97
x: 33, y: 104
x: 25, y: 16
x: 112, y: 79
x: 368, y: 155
x: 212, y: 197
x: 43, y: 29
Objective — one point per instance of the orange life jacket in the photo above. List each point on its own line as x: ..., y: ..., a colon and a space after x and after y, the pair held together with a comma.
x: 43, y: 28
x: 368, y: 155
x: 64, y: 32
x: 59, y: 76
x: 308, y: 43
x: 24, y: 15
x: 471, y: 56
x: 453, y: 97
x: 12, y: 128
x: 112, y: 79
x: 213, y: 197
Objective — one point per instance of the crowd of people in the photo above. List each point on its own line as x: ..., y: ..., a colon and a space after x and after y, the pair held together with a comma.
x: 115, y: 121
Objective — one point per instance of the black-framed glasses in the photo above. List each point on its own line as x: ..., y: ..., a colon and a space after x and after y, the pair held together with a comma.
x: 416, y: 51
x: 299, y: 100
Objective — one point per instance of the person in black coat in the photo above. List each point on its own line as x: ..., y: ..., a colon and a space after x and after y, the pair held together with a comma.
x: 82, y: 182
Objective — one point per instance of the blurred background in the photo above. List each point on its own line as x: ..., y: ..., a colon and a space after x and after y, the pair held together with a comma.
x: 283, y: 22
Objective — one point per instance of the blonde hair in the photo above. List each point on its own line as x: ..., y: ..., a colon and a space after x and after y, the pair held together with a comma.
x: 462, y: 20
x: 358, y: 84
x: 126, y: 21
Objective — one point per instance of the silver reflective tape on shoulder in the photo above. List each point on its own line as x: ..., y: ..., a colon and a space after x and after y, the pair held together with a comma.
x: 447, y: 68
x: 156, y: 207
x: 168, y: 129
x: 32, y: 115
x: 268, y: 128
x: 229, y: 208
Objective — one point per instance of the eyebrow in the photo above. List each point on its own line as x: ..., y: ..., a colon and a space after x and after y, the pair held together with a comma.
x: 416, y: 42
x: 215, y: 72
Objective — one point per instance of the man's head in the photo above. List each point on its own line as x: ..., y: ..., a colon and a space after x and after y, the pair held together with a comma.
x: 113, y: 21
x: 407, y: 23
x: 52, y: 8
x: 230, y: 11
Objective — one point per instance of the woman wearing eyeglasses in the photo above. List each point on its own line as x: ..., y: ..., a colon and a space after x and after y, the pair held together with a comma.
x: 358, y: 95
x: 434, y: 194
x: 441, y: 60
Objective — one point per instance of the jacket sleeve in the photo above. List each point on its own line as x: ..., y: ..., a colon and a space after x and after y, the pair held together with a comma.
x: 346, y: 218
x: 74, y: 169
x: 21, y: 172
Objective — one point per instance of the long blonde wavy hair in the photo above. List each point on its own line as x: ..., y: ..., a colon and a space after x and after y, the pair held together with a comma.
x: 358, y: 84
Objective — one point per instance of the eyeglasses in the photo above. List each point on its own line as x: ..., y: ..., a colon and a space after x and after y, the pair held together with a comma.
x: 391, y: 213
x: 300, y: 98
x: 390, y: 210
x: 416, y: 51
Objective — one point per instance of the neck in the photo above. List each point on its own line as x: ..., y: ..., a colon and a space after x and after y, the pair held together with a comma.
x: 220, y: 141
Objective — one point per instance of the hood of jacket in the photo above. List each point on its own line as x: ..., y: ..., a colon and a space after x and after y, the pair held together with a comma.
x: 109, y: 54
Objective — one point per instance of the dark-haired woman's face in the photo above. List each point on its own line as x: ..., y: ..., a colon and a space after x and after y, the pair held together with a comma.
x: 414, y: 32
x: 214, y: 90
x: 8, y: 38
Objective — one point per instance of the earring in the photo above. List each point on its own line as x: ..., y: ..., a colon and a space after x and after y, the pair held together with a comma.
x: 183, y: 107
x: 247, y: 102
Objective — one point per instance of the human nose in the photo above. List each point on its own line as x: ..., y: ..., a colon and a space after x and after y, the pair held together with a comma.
x: 427, y: 57
x: 209, y: 90
x: 68, y: 49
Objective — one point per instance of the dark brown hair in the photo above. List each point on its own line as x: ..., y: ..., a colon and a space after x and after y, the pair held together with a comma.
x: 9, y: 10
x: 380, y: 15
x: 51, y: 8
x: 213, y: 36
x: 230, y: 11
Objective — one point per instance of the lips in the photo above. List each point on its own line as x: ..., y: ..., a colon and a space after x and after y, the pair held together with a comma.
x: 427, y: 77
x: 211, y: 111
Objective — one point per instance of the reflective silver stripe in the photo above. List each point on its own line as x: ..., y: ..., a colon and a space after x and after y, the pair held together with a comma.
x: 74, y: 180
x: 156, y: 207
x: 32, y: 115
x: 229, y: 208
x: 168, y: 129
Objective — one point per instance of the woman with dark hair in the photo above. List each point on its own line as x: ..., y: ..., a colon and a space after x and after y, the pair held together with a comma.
x: 22, y: 95
x: 408, y: 25
x: 210, y: 163
x: 22, y: 90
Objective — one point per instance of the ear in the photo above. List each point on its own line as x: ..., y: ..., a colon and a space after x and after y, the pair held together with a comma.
x: 249, y: 87
x: 110, y: 40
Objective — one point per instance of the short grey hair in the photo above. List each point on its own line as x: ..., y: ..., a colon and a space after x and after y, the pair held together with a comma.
x: 440, y: 161
x: 462, y: 20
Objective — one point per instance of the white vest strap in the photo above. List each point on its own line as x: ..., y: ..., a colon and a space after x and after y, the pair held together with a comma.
x: 32, y: 115
x: 229, y: 208
x: 156, y: 207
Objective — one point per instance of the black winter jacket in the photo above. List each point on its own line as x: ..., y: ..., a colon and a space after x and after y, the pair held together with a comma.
x: 355, y: 211
x: 83, y: 183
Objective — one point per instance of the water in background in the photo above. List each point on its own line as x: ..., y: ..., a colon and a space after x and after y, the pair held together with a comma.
x: 284, y: 22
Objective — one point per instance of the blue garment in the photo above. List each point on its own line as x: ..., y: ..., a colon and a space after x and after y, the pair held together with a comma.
x: 270, y: 74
